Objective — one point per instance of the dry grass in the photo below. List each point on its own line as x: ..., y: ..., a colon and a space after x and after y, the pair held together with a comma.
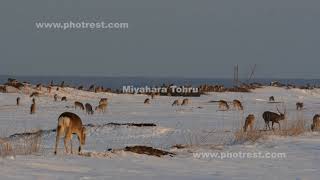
x: 26, y: 145
x: 250, y: 136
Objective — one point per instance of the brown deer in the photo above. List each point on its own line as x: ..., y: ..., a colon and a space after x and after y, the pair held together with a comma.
x: 103, y: 101
x: 223, y: 105
x: 64, y: 98
x: 176, y: 102
x: 185, y: 102
x: 273, y: 117
x: 249, y: 122
x: 78, y: 104
x: 147, y: 101
x: 299, y: 105
x: 18, y: 101
x: 33, y: 107
x: 101, y: 108
x: 68, y: 124
x: 55, y: 97
x: 271, y: 99
x: 89, y: 109
x: 315, y: 126
x: 237, y: 105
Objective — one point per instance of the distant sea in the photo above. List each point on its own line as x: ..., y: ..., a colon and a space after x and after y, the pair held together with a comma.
x: 119, y: 82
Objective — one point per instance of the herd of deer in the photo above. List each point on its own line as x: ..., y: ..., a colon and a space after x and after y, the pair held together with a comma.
x: 70, y: 123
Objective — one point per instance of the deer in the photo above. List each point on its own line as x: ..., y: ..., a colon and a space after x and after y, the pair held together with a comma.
x: 33, y: 107
x: 299, y: 105
x: 271, y: 99
x: 103, y: 101
x: 316, y: 123
x: 176, y: 102
x: 273, y: 117
x: 64, y: 98
x: 55, y: 97
x: 249, y: 122
x: 147, y: 101
x: 185, y: 102
x: 237, y: 105
x: 18, y: 101
x: 88, y: 108
x: 101, y: 108
x: 79, y: 105
x: 223, y: 105
x: 68, y: 124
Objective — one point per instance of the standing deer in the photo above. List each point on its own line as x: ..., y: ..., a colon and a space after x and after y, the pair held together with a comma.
x: 33, y: 107
x: 273, y: 117
x: 89, y: 109
x: 271, y: 99
x: 299, y: 105
x: 223, y: 105
x: 147, y: 101
x: 18, y: 101
x: 176, y: 102
x: 185, y: 102
x: 55, y: 97
x: 101, y: 108
x: 68, y: 124
x: 316, y: 123
x: 79, y: 105
x: 249, y: 122
x: 237, y: 105
x: 103, y: 101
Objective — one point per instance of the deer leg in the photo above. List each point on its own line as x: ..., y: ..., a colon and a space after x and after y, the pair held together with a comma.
x: 71, y: 145
x: 272, y: 125
x: 279, y: 126
x: 58, y: 131
x: 66, y: 139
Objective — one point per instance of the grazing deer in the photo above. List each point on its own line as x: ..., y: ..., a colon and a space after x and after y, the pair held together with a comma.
x: 79, y: 105
x: 101, y: 108
x: 299, y: 105
x: 271, y: 99
x: 33, y: 107
x: 237, y: 105
x: 55, y: 97
x: 316, y: 123
x: 35, y: 94
x: 68, y: 124
x: 89, y: 109
x: 147, y: 101
x: 185, y: 102
x: 223, y: 105
x: 249, y: 122
x: 273, y: 117
x: 176, y: 102
x: 18, y: 101
x: 64, y: 98
x: 103, y: 101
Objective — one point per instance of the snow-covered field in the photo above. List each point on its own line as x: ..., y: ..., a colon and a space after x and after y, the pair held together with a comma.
x: 199, y: 124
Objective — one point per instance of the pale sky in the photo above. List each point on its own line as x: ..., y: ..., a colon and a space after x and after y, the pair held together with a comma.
x: 190, y: 38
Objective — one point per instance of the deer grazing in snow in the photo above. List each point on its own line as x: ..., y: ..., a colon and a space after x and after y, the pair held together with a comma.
x: 33, y: 107
x: 78, y: 104
x: 237, y: 105
x: 299, y: 105
x: 185, y: 102
x: 273, y: 117
x: 249, y: 122
x: 147, y: 101
x: 223, y: 105
x: 89, y: 109
x: 316, y: 123
x: 271, y: 99
x: 68, y: 124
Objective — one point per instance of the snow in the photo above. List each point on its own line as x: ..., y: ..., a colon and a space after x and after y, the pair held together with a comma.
x: 205, y: 129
